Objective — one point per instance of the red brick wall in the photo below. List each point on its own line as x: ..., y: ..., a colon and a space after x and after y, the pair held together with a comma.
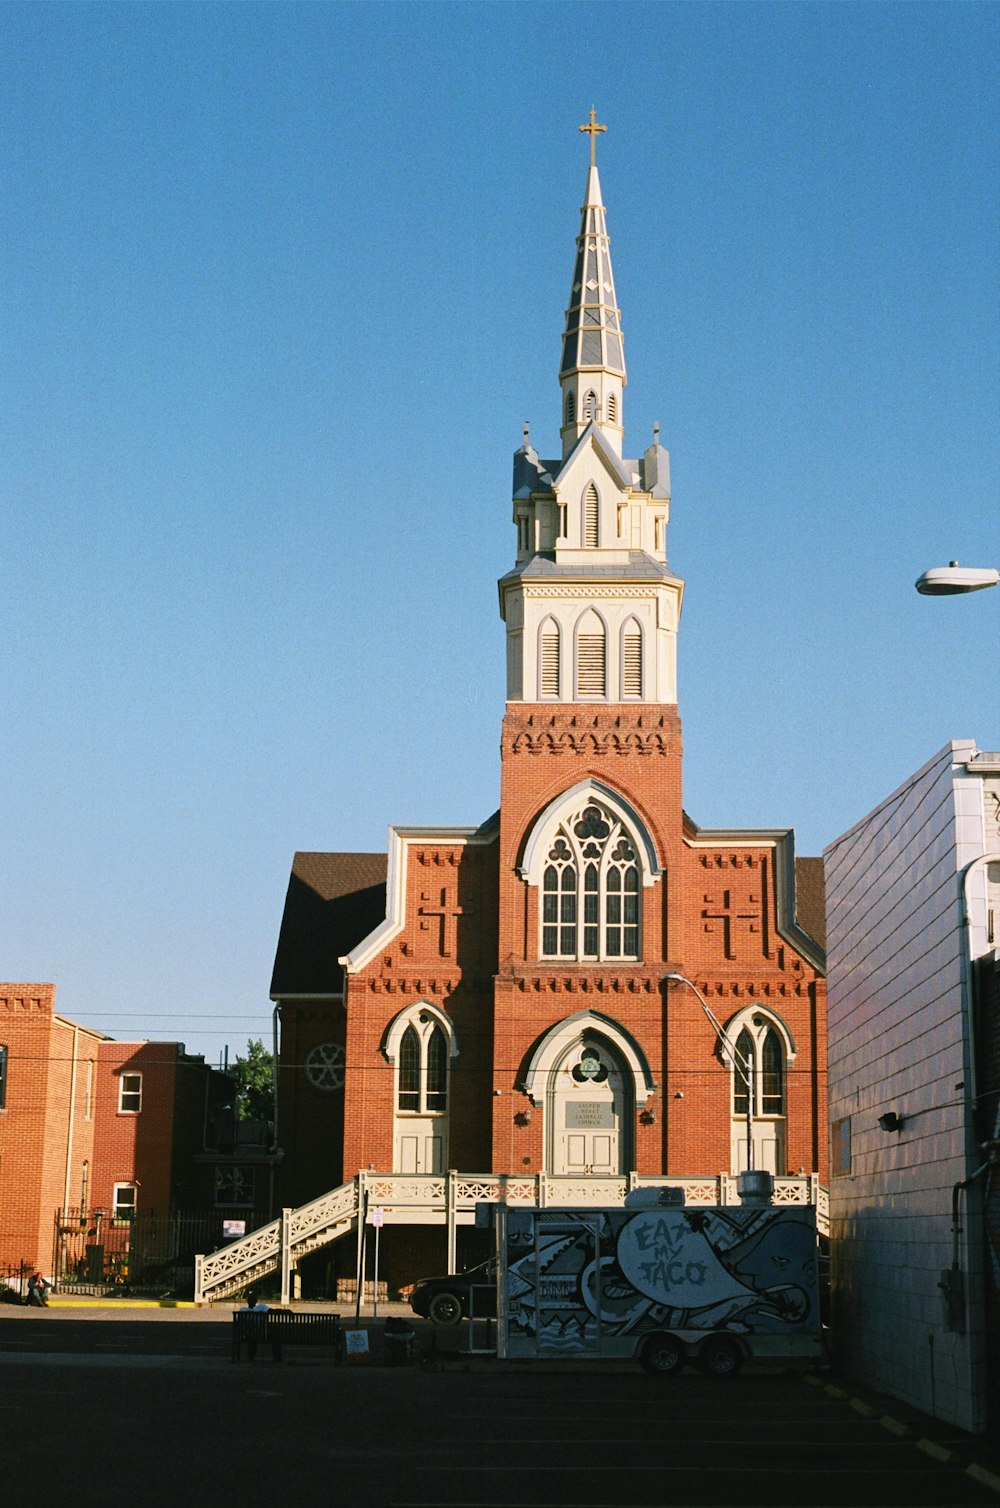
x: 44, y: 1136
x: 136, y: 1148
x: 470, y: 946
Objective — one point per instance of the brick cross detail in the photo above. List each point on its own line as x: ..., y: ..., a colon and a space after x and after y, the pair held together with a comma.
x: 728, y: 915
x: 447, y: 918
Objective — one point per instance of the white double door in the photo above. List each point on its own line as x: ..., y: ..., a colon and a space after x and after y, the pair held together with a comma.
x: 421, y: 1143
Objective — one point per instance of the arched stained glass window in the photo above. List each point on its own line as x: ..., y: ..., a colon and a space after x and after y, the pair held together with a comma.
x: 409, y: 1071
x: 437, y: 1071
x: 759, y: 1071
x: 590, y: 889
x: 423, y: 1067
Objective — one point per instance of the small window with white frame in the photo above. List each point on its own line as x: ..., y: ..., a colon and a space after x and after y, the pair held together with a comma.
x: 125, y: 1200
x: 130, y: 1093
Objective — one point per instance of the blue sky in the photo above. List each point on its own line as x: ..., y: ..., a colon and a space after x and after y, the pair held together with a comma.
x: 281, y: 284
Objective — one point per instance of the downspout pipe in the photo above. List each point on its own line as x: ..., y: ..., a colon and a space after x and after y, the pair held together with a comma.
x: 275, y: 1018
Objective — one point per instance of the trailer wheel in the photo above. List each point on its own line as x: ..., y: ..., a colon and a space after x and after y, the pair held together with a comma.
x: 720, y: 1357
x: 662, y: 1355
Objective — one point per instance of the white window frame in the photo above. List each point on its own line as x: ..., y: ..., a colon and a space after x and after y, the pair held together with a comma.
x: 124, y: 1209
x: 131, y: 1093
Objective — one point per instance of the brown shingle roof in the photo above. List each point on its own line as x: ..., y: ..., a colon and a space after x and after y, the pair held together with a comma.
x: 810, y: 898
x: 334, y: 900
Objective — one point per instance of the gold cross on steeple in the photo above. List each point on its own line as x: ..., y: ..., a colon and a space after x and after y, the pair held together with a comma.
x: 592, y: 129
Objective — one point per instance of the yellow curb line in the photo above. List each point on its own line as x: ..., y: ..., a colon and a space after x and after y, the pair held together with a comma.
x: 931, y: 1448
x: 980, y: 1474
x: 895, y: 1427
x: 120, y: 1304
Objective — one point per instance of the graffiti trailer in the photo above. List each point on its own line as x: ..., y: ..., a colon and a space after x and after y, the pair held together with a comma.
x: 665, y: 1286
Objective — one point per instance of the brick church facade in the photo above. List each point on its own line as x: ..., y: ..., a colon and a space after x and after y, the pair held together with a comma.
x: 586, y: 987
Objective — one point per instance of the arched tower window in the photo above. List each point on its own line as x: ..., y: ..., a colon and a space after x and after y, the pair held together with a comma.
x: 590, y: 406
x: 591, y: 657
x: 548, y: 659
x: 590, y: 889
x: 759, y: 1059
x: 591, y: 517
x: 612, y: 408
x: 632, y: 659
x: 423, y: 1068
x: 421, y: 1044
x: 570, y: 407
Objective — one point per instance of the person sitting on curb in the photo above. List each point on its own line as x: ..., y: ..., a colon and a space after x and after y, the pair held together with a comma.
x: 38, y: 1290
x: 257, y: 1331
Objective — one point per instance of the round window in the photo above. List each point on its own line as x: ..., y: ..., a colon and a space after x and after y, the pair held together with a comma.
x: 325, y: 1066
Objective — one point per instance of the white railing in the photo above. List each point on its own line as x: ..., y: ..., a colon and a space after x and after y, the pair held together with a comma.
x: 449, y: 1199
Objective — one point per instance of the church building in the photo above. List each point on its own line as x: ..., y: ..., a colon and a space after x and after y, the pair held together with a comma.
x: 586, y: 990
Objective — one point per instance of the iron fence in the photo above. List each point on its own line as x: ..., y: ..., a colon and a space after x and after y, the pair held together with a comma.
x: 96, y: 1251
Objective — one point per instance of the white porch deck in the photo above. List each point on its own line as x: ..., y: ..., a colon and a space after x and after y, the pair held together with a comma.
x: 447, y: 1199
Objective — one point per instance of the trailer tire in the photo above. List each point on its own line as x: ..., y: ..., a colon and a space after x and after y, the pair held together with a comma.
x: 663, y: 1355
x: 721, y: 1357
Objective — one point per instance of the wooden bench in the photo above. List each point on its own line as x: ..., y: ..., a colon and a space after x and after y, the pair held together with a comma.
x: 279, y: 1327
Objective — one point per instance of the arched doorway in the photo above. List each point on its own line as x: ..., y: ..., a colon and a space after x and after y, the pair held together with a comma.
x: 588, y: 1112
x: 590, y: 1076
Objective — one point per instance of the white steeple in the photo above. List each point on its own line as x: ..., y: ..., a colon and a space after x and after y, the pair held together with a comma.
x: 591, y: 606
x: 592, y: 372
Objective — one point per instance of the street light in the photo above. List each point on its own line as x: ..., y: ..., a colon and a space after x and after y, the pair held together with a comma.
x: 953, y: 579
x: 743, y: 1067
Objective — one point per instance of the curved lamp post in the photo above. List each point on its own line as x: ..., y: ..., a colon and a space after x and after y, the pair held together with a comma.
x: 742, y: 1066
x: 953, y: 579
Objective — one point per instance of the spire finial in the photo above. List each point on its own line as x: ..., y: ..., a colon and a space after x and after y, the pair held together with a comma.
x: 592, y: 128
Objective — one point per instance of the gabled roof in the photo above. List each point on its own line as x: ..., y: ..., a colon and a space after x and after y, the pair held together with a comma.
x: 624, y: 472
x: 333, y: 901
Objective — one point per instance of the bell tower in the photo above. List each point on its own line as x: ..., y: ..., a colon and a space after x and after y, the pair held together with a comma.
x: 591, y: 609
x: 591, y: 606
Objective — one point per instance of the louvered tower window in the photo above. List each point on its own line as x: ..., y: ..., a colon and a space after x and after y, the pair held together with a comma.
x: 549, y: 660
x: 632, y: 660
x: 591, y: 657
x: 591, y: 508
x: 590, y: 406
x: 570, y: 407
x: 612, y: 409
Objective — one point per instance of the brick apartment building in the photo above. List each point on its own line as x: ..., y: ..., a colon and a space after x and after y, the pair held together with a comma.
x: 97, y: 1129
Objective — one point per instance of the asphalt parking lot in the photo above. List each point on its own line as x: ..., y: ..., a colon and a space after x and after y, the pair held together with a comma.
x: 118, y: 1404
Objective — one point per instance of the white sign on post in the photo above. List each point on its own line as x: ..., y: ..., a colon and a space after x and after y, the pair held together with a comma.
x: 376, y: 1218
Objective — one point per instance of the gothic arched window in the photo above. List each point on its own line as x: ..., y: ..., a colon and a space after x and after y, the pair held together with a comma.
x: 423, y: 1068
x: 590, y: 889
x: 570, y: 407
x: 759, y: 1072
